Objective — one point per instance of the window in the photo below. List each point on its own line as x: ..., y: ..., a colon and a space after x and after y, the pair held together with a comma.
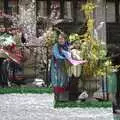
x: 68, y: 10
x: 42, y: 8
x: 2, y: 5
x: 12, y: 6
x: 55, y: 10
x: 9, y: 7
x: 80, y: 14
x: 1, y: 9
x: 119, y: 12
x: 110, y: 11
x: 113, y: 11
x: 47, y: 8
x: 60, y: 9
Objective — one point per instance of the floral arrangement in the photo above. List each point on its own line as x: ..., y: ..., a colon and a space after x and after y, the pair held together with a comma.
x: 6, y: 40
x: 92, y: 50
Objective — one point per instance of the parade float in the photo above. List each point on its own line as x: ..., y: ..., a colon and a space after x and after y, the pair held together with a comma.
x: 40, y: 47
x: 96, y: 80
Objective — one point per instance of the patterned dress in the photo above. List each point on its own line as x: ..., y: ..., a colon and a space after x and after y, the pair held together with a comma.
x: 59, y: 73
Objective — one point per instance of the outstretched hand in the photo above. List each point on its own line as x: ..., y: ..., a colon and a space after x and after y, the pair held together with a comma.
x: 85, y: 61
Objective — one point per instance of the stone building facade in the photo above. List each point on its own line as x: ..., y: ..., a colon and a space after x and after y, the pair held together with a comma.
x: 31, y: 10
x: 106, y: 15
x: 108, y: 12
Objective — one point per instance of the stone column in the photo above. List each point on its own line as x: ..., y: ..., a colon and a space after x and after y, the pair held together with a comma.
x: 100, y: 33
x: 27, y: 12
x: 100, y: 20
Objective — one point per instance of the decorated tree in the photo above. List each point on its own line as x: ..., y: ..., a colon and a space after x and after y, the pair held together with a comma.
x: 92, y: 49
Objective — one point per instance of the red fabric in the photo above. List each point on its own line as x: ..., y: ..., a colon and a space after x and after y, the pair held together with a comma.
x: 60, y: 89
x: 14, y: 53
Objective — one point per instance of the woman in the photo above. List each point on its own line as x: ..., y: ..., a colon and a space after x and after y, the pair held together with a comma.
x: 59, y: 74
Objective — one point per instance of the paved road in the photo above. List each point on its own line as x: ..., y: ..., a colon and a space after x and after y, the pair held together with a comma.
x: 40, y: 107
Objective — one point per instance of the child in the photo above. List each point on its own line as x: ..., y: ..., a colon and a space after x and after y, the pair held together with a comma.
x: 75, y: 72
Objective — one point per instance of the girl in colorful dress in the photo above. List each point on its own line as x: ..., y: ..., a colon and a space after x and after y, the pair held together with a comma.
x: 59, y: 74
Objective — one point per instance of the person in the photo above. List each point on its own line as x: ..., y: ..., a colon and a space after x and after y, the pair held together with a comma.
x: 75, y: 72
x: 60, y: 63
x: 4, y: 72
x: 59, y: 74
x: 10, y: 60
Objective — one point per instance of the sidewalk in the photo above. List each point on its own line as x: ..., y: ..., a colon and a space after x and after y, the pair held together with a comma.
x: 40, y: 107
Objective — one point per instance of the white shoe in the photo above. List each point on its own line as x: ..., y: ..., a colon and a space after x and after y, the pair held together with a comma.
x: 83, y: 96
